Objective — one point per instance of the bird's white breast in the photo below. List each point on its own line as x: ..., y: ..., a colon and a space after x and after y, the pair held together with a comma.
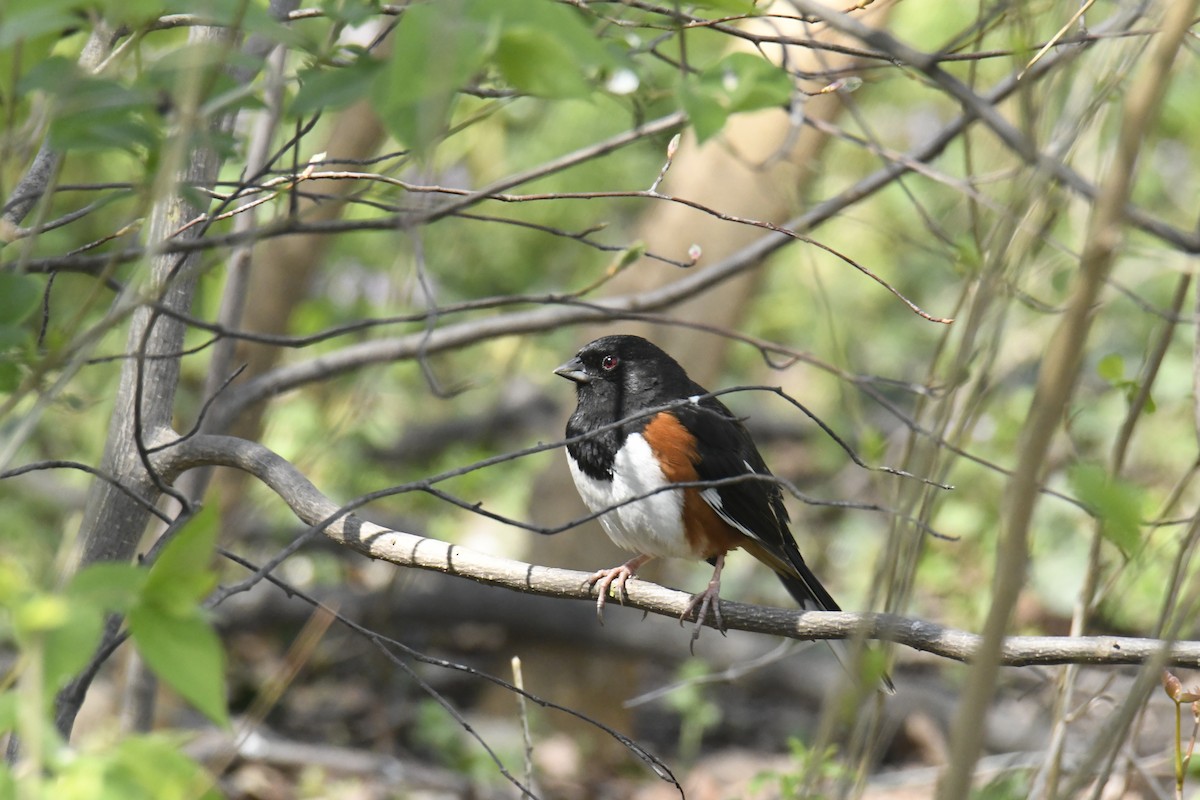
x: 651, y: 526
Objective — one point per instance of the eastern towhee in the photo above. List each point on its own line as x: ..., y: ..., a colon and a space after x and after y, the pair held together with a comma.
x: 618, y: 379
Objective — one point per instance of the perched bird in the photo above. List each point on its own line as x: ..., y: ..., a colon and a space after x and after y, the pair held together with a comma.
x: 621, y: 450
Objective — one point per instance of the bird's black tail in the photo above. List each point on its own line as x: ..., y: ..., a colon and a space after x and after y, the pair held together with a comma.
x: 812, y: 596
x: 805, y: 589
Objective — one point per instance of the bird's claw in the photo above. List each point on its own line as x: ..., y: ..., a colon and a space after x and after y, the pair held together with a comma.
x: 604, y: 580
x: 699, y: 606
x: 618, y: 576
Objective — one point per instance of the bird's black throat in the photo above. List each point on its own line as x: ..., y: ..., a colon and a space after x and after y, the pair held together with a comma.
x: 598, y: 406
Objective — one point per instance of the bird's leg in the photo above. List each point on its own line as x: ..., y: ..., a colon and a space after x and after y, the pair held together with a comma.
x: 703, y: 601
x: 618, y: 576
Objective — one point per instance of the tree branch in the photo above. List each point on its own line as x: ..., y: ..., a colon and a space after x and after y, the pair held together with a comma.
x: 420, y: 552
x: 985, y: 109
x: 692, y: 283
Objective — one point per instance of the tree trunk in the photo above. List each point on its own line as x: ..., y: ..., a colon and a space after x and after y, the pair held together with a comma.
x: 115, y: 520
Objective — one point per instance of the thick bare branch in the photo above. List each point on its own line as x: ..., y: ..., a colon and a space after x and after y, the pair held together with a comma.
x: 412, y: 550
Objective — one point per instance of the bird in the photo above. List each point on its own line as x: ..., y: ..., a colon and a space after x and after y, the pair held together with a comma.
x: 640, y: 426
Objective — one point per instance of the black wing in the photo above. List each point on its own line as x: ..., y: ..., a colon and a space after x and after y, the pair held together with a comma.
x: 755, y: 507
x: 726, y: 450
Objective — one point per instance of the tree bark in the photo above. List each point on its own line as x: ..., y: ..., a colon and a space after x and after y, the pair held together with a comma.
x: 114, y: 520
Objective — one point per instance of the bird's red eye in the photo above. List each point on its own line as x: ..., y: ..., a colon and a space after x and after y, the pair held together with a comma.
x: 610, y: 362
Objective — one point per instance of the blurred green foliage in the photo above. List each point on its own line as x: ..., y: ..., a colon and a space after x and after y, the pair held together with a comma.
x: 697, y: 711
x: 56, y: 632
x: 814, y: 772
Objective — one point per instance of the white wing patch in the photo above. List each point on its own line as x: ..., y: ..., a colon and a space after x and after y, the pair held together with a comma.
x: 713, y: 497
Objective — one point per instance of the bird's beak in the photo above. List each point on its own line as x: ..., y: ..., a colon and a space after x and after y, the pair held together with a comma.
x: 573, y: 371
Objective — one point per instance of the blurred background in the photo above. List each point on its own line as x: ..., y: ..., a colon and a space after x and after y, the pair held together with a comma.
x: 411, y: 215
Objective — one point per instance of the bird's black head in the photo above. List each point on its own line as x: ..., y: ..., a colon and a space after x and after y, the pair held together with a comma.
x: 621, y: 373
x: 617, y: 378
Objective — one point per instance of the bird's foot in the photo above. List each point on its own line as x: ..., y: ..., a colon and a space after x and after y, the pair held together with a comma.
x: 702, y: 603
x: 605, y: 580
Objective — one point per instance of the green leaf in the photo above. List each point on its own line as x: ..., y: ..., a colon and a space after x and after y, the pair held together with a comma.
x: 39, y: 614
x: 184, y: 63
x: 184, y: 651
x: 19, y: 296
x: 180, y: 577
x: 170, y: 628
x: 1111, y: 368
x: 749, y: 82
x: 628, y: 256
x: 349, y: 12
x: 29, y: 31
x: 155, y: 766
x: 1116, y: 503
x: 13, y: 337
x: 539, y: 46
x: 68, y: 647
x: 544, y: 48
x: 539, y: 64
x: 90, y: 113
x: 705, y: 112
x: 326, y: 89
x: 23, y: 21
x: 10, y: 376
x: 108, y: 585
x: 739, y: 82
x: 132, y: 13
x: 67, y: 633
x: 435, y: 49
x: 146, y: 767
